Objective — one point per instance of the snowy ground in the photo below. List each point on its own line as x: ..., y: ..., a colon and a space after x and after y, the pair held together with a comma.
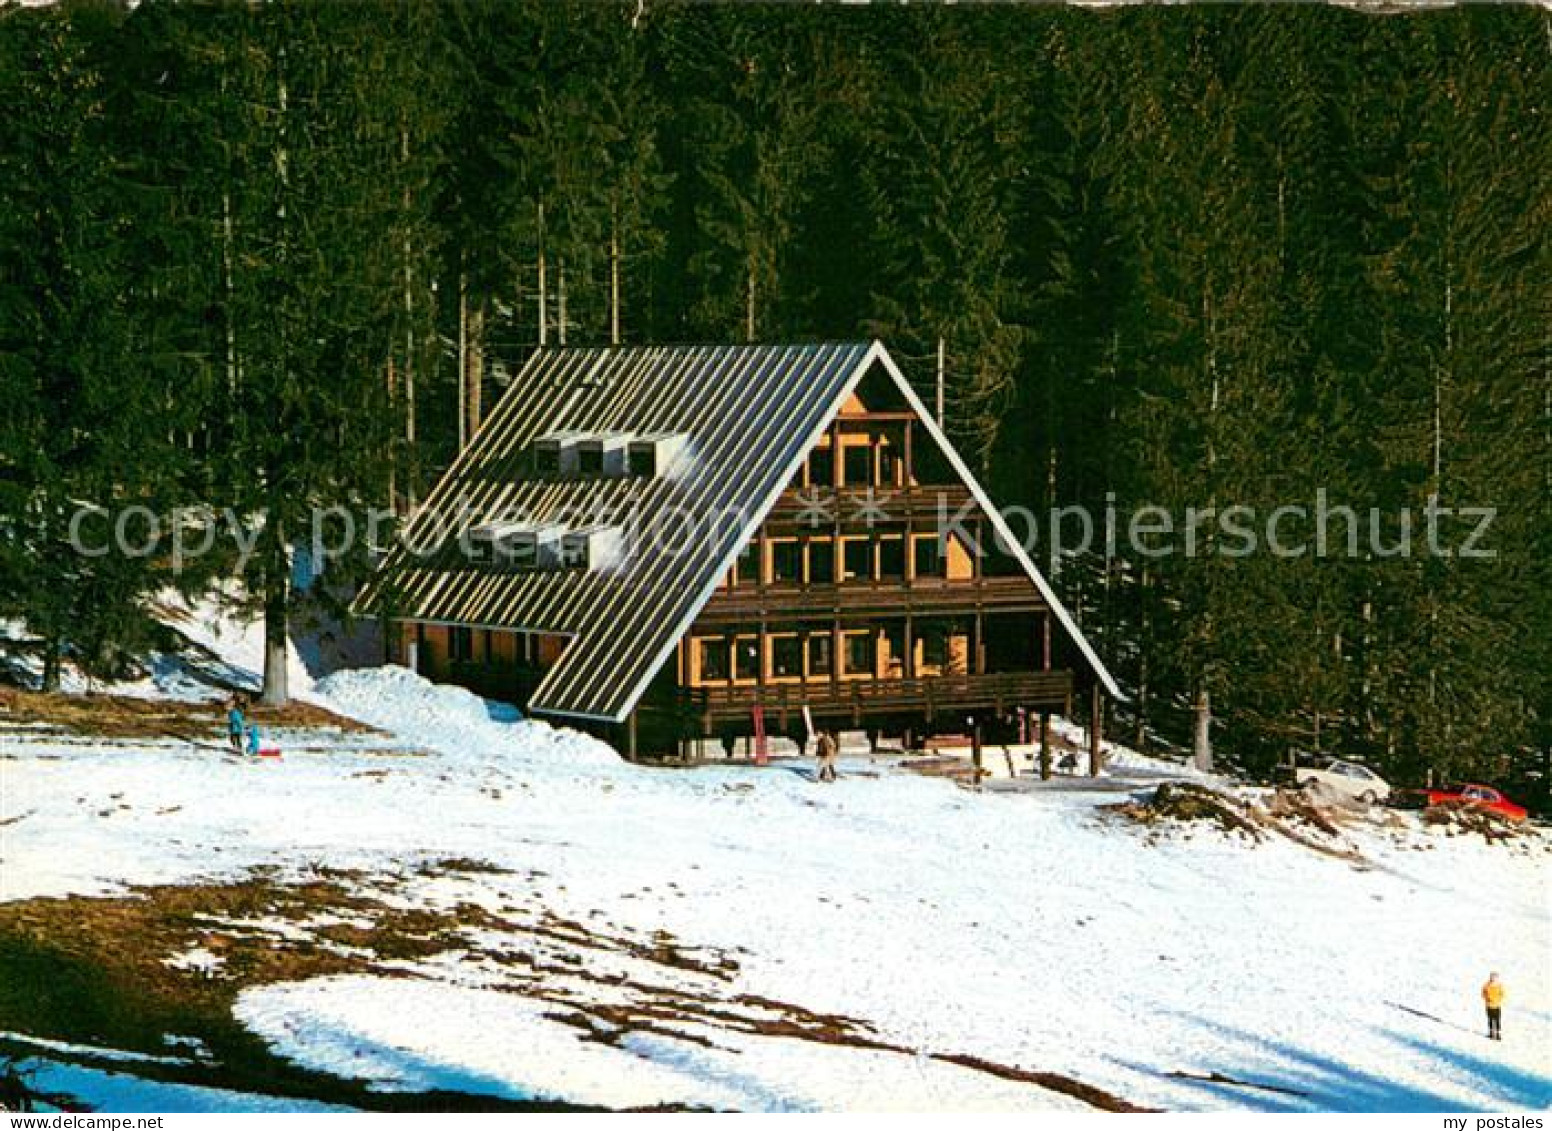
x: 1027, y: 929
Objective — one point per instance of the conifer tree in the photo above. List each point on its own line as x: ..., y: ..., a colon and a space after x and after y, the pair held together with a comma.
x: 938, y: 185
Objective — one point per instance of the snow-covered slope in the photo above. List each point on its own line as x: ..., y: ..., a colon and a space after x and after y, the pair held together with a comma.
x: 1032, y: 930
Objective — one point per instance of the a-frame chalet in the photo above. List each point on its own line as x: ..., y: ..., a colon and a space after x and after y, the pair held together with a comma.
x: 667, y: 544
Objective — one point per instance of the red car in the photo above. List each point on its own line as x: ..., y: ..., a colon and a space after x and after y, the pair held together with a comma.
x: 1477, y: 797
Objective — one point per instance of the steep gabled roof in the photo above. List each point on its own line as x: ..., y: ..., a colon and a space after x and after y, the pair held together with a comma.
x: 748, y: 415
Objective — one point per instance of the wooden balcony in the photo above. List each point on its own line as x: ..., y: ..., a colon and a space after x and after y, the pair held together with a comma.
x: 748, y: 604
x: 855, y: 700
x: 817, y: 509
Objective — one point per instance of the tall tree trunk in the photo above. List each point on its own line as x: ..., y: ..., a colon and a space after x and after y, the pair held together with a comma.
x: 1144, y: 639
x: 560, y: 303
x: 228, y: 284
x: 463, y: 356
x: 228, y: 276
x: 53, y: 662
x: 544, y: 285
x: 614, y: 274
x: 474, y: 369
x: 942, y: 377
x: 393, y: 463
x: 409, y: 327
x: 749, y: 302
x: 277, y: 607
x: 1201, y: 747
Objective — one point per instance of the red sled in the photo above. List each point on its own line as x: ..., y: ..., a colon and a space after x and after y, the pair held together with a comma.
x: 270, y: 752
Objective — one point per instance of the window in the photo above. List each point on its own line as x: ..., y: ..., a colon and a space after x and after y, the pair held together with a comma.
x: 888, y: 466
x: 819, y: 661
x: 859, y: 464
x: 573, y: 553
x: 460, y: 644
x: 894, y: 641
x: 861, y: 653
x: 891, y: 557
x: 856, y: 559
x: 929, y: 557
x: 934, y: 646
x: 786, y: 561
x: 523, y: 553
x: 713, y: 658
x: 786, y: 657
x: 821, y: 467
x: 590, y: 460
x: 746, y: 658
x: 821, y: 562
x: 746, y: 570
x: 547, y: 460
x: 643, y: 461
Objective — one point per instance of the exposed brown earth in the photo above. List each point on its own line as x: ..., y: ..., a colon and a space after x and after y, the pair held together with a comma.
x: 124, y: 716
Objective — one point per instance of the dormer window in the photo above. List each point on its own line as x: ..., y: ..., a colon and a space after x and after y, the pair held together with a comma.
x: 522, y: 553
x: 601, y: 455
x: 592, y: 548
x: 643, y: 461
x: 555, y: 454
x: 590, y: 454
x: 490, y: 542
x: 519, y: 545
x: 654, y: 456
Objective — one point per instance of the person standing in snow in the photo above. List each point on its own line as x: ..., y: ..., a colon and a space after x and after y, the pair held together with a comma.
x: 1493, y: 998
x: 826, y: 749
x: 253, y: 740
x: 235, y: 724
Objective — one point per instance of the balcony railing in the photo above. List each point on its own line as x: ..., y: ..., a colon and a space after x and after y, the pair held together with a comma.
x: 865, y: 508
x: 857, y: 699
x: 921, y: 596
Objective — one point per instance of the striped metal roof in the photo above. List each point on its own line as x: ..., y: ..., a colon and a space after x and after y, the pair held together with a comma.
x: 748, y: 414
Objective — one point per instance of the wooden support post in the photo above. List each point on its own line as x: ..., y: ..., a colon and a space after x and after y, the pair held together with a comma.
x: 975, y: 749
x: 978, y: 658
x: 1045, y: 746
x: 761, y: 749
x: 630, y: 736
x: 1096, y: 715
x: 835, y: 656
x: 1045, y: 641
x: 417, y: 648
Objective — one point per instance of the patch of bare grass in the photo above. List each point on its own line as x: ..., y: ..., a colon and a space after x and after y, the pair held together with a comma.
x: 125, y: 716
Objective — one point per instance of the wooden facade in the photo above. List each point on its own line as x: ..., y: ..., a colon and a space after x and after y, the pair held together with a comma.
x: 853, y: 601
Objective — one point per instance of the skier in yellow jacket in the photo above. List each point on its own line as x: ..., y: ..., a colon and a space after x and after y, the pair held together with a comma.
x: 1493, y: 997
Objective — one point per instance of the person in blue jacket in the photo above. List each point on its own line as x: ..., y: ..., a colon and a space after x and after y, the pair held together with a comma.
x: 235, y: 724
